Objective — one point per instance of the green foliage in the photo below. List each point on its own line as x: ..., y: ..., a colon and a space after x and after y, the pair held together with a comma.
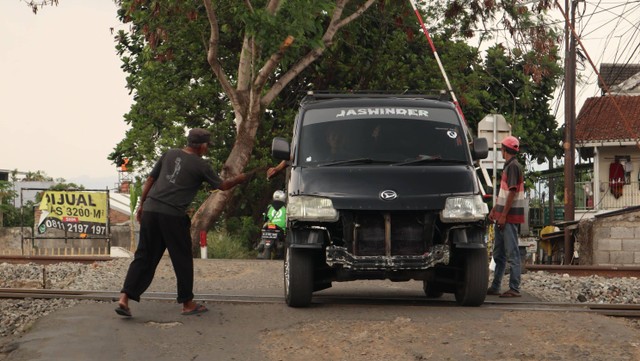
x: 174, y: 88
x: 135, y: 192
x: 223, y: 245
x: 7, y: 195
x: 6, y: 190
x: 246, y: 229
x: 18, y: 216
x: 13, y: 216
x: 37, y: 176
x: 524, y: 101
x: 62, y: 186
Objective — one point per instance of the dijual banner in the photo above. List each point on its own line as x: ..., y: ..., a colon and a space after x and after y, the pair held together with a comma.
x: 74, y: 211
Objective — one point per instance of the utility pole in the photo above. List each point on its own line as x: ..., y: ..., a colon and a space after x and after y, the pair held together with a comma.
x: 569, y: 121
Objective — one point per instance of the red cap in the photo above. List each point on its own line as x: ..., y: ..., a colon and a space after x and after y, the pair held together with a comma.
x: 511, y: 142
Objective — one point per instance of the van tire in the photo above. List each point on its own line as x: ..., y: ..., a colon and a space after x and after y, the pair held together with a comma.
x: 298, y: 277
x: 472, y: 288
x: 431, y: 290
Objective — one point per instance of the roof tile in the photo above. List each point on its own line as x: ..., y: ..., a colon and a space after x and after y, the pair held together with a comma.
x: 609, y: 118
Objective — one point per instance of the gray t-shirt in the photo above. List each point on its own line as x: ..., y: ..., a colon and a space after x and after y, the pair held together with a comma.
x: 178, y: 176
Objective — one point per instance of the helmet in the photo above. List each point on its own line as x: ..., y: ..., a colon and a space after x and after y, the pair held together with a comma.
x: 511, y: 142
x: 279, y: 196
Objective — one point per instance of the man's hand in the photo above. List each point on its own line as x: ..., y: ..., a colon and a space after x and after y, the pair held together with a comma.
x: 241, y: 178
x: 271, y: 172
x: 491, y: 216
x: 500, y: 222
x: 139, y: 213
x: 277, y: 169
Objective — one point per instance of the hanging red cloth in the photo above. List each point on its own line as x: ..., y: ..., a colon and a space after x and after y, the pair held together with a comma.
x: 616, y: 178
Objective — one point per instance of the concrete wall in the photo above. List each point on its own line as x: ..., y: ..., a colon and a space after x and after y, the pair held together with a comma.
x: 610, y: 240
x: 16, y: 240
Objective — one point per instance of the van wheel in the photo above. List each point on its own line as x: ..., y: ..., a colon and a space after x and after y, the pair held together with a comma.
x: 431, y: 290
x: 298, y: 277
x: 472, y: 288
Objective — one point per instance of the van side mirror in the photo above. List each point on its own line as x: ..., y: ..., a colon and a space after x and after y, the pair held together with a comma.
x: 480, y: 148
x: 280, y: 148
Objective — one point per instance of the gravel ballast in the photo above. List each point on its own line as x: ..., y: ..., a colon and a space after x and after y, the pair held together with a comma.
x: 19, y: 314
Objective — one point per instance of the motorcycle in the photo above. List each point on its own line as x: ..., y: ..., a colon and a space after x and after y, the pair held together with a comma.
x: 273, y: 230
x: 271, y: 241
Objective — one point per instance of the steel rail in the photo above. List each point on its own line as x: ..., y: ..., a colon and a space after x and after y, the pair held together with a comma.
x: 581, y: 271
x: 12, y: 259
x: 617, y: 310
x: 572, y: 270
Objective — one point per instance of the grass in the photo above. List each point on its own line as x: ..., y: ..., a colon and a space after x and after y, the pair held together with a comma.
x: 225, y: 246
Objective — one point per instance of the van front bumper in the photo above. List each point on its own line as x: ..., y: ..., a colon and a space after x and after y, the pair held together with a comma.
x: 439, y: 254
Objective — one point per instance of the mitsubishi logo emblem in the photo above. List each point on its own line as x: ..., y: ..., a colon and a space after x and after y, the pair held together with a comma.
x: 388, y: 195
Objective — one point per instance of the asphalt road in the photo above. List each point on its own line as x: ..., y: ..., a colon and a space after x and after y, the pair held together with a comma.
x: 344, y: 323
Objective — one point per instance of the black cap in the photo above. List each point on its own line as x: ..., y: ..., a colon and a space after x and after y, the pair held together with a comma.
x: 199, y: 136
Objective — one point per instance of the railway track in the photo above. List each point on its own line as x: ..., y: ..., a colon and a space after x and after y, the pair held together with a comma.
x: 572, y: 270
x: 616, y: 310
x: 11, y: 259
x: 620, y: 310
x: 580, y: 271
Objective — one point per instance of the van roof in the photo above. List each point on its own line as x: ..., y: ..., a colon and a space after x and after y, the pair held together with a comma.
x: 440, y: 95
x: 368, y: 100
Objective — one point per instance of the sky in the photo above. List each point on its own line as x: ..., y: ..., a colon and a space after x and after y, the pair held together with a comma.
x: 63, y: 95
x: 62, y: 92
x: 609, y: 31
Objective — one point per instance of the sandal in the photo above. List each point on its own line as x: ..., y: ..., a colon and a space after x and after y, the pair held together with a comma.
x: 493, y: 292
x: 123, y: 310
x: 199, y: 309
x: 511, y: 293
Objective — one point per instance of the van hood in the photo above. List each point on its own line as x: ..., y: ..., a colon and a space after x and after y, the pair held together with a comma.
x: 386, y: 187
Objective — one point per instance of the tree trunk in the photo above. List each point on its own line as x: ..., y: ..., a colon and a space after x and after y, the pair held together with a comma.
x: 208, y: 212
x: 238, y: 159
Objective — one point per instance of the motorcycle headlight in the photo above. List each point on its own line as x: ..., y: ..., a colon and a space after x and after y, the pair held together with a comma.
x: 464, y: 209
x: 305, y: 208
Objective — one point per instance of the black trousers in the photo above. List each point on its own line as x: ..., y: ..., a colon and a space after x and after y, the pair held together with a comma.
x: 160, y: 232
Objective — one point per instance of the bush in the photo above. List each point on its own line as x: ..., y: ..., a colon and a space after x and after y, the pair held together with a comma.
x: 246, y: 229
x: 220, y: 244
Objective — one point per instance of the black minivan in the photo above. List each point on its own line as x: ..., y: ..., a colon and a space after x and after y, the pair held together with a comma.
x: 383, y: 187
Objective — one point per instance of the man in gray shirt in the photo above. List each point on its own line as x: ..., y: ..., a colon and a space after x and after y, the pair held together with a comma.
x: 164, y: 224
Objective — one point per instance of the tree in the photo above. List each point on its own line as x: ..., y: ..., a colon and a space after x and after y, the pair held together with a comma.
x: 514, y: 89
x: 269, y: 44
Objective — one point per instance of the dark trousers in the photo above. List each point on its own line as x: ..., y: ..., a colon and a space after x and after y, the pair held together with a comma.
x: 158, y: 232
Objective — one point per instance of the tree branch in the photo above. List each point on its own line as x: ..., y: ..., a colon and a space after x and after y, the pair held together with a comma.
x: 212, y: 52
x: 356, y: 14
x: 245, y: 64
x: 273, y: 6
x: 334, y: 25
x: 271, y: 64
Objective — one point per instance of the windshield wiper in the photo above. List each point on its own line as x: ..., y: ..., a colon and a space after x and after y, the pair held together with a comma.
x: 429, y: 159
x: 355, y: 161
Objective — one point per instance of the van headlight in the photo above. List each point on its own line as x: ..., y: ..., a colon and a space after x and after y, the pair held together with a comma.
x: 464, y: 209
x: 305, y: 208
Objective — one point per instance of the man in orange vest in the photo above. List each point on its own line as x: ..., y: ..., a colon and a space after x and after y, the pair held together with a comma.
x: 507, y: 214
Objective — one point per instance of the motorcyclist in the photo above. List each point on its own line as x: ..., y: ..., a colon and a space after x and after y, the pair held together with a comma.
x: 276, y: 214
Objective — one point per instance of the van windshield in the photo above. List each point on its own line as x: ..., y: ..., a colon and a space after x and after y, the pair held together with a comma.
x: 329, y: 139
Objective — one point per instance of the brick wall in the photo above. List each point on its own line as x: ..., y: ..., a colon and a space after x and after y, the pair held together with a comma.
x: 117, y: 217
x: 614, y: 240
